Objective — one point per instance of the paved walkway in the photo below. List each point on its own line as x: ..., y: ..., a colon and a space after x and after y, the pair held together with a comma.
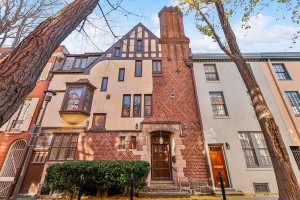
x: 259, y: 198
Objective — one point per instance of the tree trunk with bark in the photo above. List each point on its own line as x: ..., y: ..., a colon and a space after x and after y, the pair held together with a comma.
x: 286, y: 179
x: 20, y: 70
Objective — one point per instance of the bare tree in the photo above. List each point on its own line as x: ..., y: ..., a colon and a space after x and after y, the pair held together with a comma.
x: 218, y: 27
x: 20, y: 17
x: 20, y: 70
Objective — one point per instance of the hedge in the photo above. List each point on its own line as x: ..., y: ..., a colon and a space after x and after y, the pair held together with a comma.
x: 101, y: 174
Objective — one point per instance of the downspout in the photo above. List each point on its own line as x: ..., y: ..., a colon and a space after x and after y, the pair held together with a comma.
x: 282, y: 98
x: 200, y: 120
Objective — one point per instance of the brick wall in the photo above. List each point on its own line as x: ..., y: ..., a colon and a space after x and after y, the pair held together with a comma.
x: 105, y: 146
x: 177, y: 79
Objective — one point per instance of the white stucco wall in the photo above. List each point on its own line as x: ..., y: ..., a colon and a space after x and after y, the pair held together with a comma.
x: 241, y: 118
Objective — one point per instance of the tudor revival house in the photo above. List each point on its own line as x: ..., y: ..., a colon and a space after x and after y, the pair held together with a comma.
x: 15, y: 132
x: 142, y: 100
x: 234, y: 142
x: 134, y: 101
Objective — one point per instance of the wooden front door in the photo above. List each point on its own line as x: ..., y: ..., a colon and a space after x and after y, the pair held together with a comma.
x: 218, y: 164
x: 161, y: 165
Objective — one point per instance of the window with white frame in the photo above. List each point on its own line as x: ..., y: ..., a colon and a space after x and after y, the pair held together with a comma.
x: 282, y: 73
x: 218, y: 104
x: 294, y: 99
x: 211, y: 73
x: 255, y: 149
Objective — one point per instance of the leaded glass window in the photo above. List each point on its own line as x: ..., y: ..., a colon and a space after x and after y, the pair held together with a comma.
x: 137, y: 105
x: 148, y: 105
x: 126, y: 106
x: 64, y: 147
x: 74, y: 98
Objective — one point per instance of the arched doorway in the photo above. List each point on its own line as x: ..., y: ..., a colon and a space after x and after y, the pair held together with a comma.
x: 161, y: 156
x: 11, y: 166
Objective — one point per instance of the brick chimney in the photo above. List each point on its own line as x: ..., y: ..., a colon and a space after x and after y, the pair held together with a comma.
x: 171, y: 24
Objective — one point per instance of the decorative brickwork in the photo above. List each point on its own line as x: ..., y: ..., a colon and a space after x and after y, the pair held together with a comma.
x: 105, y: 146
x: 174, y: 98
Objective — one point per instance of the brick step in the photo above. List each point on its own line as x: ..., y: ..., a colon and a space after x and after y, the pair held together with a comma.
x: 164, y: 194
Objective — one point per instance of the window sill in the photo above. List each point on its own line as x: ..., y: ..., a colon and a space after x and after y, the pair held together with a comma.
x: 121, y: 149
x: 284, y: 79
x: 297, y: 115
x: 221, y: 117
x: 213, y: 81
x: 157, y: 75
x: 260, y: 169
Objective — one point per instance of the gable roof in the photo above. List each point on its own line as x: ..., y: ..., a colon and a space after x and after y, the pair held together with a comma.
x: 127, y: 50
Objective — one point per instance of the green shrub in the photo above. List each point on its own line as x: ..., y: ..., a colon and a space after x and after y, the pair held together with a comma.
x: 101, y: 174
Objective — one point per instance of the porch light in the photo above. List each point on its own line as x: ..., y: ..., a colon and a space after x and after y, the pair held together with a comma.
x: 227, y: 145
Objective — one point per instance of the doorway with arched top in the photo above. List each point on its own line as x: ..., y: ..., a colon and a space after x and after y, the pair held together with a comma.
x: 161, y: 156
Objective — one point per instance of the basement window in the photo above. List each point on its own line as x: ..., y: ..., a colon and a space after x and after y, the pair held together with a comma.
x: 261, y: 187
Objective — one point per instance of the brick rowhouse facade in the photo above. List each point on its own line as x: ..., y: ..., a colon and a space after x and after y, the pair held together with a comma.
x: 174, y: 98
x: 10, y: 136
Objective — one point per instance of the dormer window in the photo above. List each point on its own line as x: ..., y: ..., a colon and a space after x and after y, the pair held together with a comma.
x: 78, y: 99
x: 76, y: 62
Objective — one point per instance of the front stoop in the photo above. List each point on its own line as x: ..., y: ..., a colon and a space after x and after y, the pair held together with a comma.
x: 163, y: 189
x: 228, y: 191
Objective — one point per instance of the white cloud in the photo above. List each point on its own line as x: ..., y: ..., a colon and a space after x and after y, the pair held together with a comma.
x: 264, y: 35
x: 155, y: 19
x: 203, y: 44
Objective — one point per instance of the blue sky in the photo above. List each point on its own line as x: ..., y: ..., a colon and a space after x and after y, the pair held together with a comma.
x: 266, y: 35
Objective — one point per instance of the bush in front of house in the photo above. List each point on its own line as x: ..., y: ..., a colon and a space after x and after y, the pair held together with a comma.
x: 100, y: 174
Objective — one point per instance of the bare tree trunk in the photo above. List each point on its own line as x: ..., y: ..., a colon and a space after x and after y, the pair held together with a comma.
x: 286, y: 179
x: 21, y: 69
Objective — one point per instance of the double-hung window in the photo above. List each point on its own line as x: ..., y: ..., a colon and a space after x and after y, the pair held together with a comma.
x: 218, y: 104
x: 255, y: 149
x: 211, y: 73
x: 147, y: 105
x: 294, y: 99
x: 282, y: 73
x: 156, y: 67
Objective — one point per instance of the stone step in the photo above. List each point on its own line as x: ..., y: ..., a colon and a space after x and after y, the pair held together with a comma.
x: 229, y: 191
x: 164, y: 194
x: 162, y: 187
x: 161, y: 182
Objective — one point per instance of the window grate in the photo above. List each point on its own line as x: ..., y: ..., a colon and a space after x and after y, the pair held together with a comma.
x: 261, y: 187
x: 296, y: 153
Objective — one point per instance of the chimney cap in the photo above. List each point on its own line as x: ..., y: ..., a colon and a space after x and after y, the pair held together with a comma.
x: 169, y: 10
